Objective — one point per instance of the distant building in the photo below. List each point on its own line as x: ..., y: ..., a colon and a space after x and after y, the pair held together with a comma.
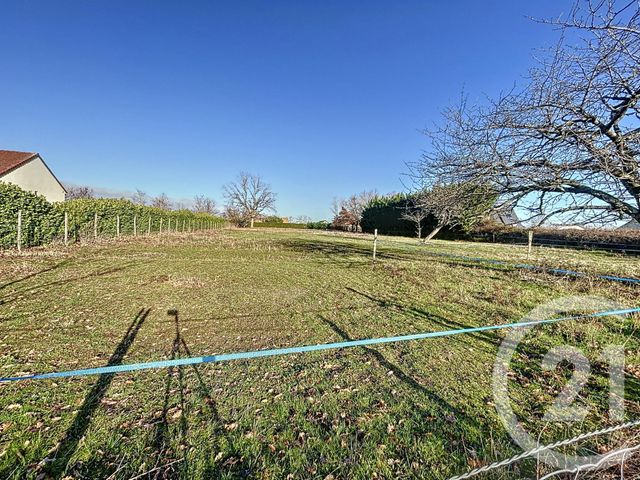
x: 29, y: 172
x: 506, y: 217
x: 631, y: 225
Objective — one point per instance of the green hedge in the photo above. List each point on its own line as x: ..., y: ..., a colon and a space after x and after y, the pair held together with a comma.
x: 384, y: 214
x: 82, y: 213
x: 280, y: 225
x: 43, y: 222
x: 40, y: 220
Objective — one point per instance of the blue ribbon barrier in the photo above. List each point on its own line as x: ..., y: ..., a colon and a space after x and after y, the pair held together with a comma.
x: 112, y: 369
x: 555, y: 271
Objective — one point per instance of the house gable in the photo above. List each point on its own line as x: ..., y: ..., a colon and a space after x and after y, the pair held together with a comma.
x: 31, y: 173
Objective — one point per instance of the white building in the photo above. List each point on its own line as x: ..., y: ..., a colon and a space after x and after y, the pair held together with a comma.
x: 29, y: 172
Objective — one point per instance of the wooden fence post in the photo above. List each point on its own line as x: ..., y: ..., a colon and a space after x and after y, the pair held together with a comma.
x: 169, y: 225
x: 117, y: 225
x: 135, y: 225
x: 95, y: 226
x: 66, y: 229
x: 149, y: 227
x: 19, y: 239
x: 375, y: 243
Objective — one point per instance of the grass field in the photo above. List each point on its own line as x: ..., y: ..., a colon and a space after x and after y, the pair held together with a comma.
x: 420, y: 409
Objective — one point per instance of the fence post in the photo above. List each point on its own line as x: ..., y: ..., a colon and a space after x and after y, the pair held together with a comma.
x: 95, y: 226
x: 149, y: 227
x: 375, y: 243
x: 19, y: 239
x: 169, y: 225
x: 135, y: 225
x: 66, y: 229
x: 530, y: 242
x: 117, y: 225
x: 160, y: 230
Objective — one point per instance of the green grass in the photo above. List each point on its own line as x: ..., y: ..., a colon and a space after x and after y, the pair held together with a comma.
x: 421, y: 409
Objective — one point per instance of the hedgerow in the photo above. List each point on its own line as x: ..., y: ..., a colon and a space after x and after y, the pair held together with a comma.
x: 40, y: 220
x: 43, y: 222
x: 280, y: 225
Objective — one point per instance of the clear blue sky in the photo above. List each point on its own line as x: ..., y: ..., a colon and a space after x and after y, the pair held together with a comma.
x: 323, y: 99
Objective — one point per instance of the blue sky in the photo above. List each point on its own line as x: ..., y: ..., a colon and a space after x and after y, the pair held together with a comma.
x: 323, y: 99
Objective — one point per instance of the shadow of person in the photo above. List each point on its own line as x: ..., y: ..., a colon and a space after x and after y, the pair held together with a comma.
x: 162, y: 439
x: 82, y: 420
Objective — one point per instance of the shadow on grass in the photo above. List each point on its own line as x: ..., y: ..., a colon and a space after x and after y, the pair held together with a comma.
x: 35, y: 274
x: 82, y: 420
x: 164, y: 437
x: 340, y: 252
x: 450, y: 413
x: 489, y: 338
x: 37, y: 288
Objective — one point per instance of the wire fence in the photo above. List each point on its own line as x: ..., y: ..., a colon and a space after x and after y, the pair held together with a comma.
x: 28, y: 231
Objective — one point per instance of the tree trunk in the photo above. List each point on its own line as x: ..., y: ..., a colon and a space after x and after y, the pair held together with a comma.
x: 419, y: 232
x: 433, y: 233
x: 251, y: 222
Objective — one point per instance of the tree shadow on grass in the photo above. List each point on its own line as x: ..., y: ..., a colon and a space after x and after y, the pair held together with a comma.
x: 488, y: 337
x: 440, y: 418
x: 35, y: 274
x: 339, y: 252
x: 82, y: 420
x: 37, y: 288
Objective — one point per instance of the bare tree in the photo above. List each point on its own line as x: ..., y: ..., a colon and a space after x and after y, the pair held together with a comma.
x: 416, y: 214
x: 139, y: 197
x: 353, y: 205
x: 202, y: 204
x: 75, y: 192
x: 455, y: 205
x: 250, y: 196
x: 161, y: 201
x: 568, y: 145
x: 302, y: 219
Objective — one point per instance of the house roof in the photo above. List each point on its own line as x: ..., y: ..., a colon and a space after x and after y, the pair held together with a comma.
x: 631, y: 225
x: 10, y: 160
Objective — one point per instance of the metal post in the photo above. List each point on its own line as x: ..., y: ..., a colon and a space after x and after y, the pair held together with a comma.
x: 19, y: 231
x: 375, y: 243
x: 66, y: 229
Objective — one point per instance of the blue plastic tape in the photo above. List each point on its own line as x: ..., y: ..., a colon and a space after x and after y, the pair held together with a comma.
x: 555, y: 271
x: 112, y: 369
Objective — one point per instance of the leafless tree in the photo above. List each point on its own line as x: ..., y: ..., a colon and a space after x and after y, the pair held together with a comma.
x: 76, y: 192
x: 302, y: 219
x: 202, y: 204
x: 455, y: 205
x: 250, y: 196
x: 139, y: 197
x: 353, y: 205
x: 416, y: 214
x: 567, y: 146
x: 161, y: 201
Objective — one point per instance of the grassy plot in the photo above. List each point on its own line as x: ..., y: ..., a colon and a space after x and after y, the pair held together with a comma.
x: 419, y: 409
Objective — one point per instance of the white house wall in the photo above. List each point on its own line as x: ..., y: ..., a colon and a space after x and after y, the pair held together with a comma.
x: 34, y: 176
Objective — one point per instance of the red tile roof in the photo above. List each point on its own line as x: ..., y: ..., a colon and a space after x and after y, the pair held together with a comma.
x: 10, y: 159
